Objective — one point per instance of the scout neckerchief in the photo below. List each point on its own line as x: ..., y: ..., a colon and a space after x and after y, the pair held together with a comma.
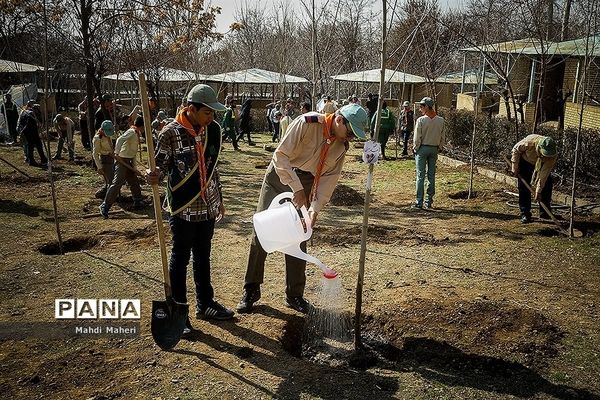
x: 329, y: 139
x: 198, y: 139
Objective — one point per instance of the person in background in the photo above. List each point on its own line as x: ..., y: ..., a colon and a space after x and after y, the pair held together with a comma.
x: 102, y: 150
x: 269, y: 107
x: 372, y: 104
x: 65, y: 128
x: 275, y: 118
x: 290, y: 108
x: 329, y: 107
x: 11, y: 114
x: 428, y: 141
x: 308, y: 162
x: 246, y: 122
x: 83, y: 123
x: 104, y: 112
x: 228, y: 123
x: 386, y: 127
x: 28, y: 127
x: 283, y: 125
x: 126, y: 148
x: 533, y: 159
x: 194, y: 198
x: 407, y: 123
x: 158, y: 124
x: 304, y: 107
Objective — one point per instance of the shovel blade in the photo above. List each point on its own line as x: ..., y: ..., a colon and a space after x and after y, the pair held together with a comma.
x: 168, y: 321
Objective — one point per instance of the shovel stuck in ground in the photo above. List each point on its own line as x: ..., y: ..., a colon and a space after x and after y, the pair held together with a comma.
x: 168, y: 316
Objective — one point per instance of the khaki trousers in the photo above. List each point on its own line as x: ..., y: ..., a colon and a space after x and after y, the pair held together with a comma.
x: 295, y: 277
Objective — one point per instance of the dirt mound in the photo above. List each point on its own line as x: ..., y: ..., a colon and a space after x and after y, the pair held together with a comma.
x: 478, y: 326
x: 346, y: 196
x: 343, y: 236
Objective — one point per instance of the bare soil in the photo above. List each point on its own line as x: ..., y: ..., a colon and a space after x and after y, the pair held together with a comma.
x: 459, y: 302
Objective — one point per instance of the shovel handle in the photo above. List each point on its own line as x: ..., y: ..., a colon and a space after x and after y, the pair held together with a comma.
x: 155, y: 193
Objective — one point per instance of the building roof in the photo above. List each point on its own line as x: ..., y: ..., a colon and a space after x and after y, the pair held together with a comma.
x: 531, y: 46
x: 470, y: 77
x: 13, y: 66
x: 255, y: 76
x: 166, y: 75
x: 577, y: 47
x: 374, y: 75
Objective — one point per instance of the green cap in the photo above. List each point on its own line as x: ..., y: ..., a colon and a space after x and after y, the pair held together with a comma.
x: 547, y: 147
x: 206, y: 95
x: 357, y: 117
x: 108, y: 128
x: 427, y: 101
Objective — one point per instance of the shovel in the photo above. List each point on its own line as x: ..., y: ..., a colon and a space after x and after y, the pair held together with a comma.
x: 168, y: 316
x: 576, y: 232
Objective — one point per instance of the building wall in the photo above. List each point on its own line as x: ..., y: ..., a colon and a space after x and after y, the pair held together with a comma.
x: 519, y: 76
x: 528, y: 112
x: 591, y: 116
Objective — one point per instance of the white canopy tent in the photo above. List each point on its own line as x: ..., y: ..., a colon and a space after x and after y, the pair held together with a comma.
x: 165, y: 75
x: 391, y: 77
x: 253, y: 79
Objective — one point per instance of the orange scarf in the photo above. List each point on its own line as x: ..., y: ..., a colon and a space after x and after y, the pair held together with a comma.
x: 198, y: 141
x: 328, y: 138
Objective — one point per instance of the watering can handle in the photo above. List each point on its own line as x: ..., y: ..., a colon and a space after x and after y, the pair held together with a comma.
x: 276, y: 202
x: 281, y: 196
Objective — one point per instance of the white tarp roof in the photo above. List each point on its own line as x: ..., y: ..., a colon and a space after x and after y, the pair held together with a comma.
x: 530, y: 46
x: 255, y: 76
x: 516, y: 46
x: 166, y: 75
x: 374, y: 75
x: 470, y: 78
x: 13, y: 66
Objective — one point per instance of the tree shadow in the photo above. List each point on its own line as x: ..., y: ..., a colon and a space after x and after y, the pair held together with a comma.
x: 20, y: 207
x: 448, y: 365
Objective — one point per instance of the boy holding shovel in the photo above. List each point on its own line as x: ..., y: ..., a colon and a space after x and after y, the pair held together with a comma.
x: 187, y: 152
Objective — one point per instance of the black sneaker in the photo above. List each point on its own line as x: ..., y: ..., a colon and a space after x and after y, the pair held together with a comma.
x: 417, y: 206
x: 298, y: 303
x: 251, y: 296
x: 214, y: 311
x: 525, y: 219
x: 188, y: 328
x: 103, y: 211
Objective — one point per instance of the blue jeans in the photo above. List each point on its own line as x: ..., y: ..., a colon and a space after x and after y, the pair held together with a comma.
x: 191, y: 237
x: 426, y: 157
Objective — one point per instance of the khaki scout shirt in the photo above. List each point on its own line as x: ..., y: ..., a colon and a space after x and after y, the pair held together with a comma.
x: 527, y: 149
x: 127, y: 144
x: 301, y: 149
x: 102, y: 146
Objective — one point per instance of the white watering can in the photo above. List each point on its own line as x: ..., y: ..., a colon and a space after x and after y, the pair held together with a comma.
x: 280, y: 228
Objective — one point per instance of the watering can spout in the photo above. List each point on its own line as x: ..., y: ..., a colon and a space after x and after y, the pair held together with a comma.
x: 294, y: 250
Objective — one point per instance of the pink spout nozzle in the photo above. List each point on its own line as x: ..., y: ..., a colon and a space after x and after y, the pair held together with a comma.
x: 328, y: 273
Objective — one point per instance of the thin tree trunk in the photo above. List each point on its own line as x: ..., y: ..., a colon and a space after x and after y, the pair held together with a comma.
x: 52, y: 187
x: 564, y: 29
x: 365, y: 224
